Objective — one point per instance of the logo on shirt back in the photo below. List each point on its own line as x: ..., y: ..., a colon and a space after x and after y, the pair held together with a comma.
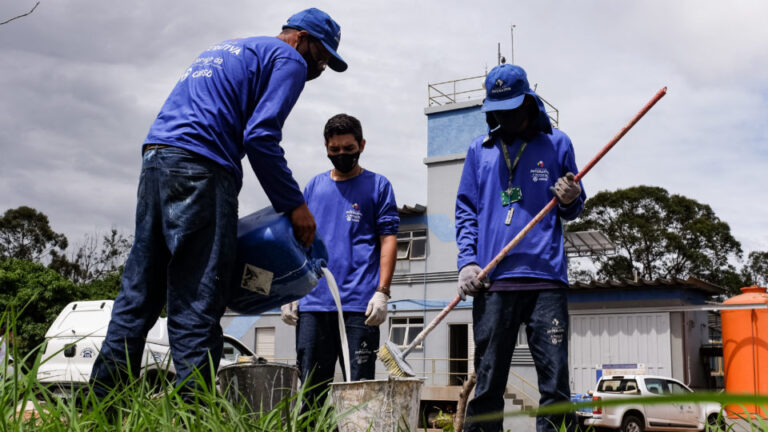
x: 539, y: 173
x: 354, y: 214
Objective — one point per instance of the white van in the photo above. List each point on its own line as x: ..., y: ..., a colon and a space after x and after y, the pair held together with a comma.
x: 74, y: 339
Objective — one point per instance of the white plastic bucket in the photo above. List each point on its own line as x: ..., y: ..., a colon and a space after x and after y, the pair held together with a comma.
x: 389, y: 405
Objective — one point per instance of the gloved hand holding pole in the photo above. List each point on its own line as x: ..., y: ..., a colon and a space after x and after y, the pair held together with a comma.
x: 469, y: 283
x: 566, y: 189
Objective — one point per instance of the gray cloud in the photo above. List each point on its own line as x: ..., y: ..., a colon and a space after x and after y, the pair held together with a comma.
x: 83, y: 80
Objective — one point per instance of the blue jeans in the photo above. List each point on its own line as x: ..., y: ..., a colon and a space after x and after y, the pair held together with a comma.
x: 497, y: 317
x: 318, y: 346
x: 182, y: 256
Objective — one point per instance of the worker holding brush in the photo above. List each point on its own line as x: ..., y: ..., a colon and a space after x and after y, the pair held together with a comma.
x: 357, y: 218
x: 509, y: 176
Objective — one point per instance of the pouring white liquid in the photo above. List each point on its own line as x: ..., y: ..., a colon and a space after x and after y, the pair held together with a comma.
x: 342, y: 329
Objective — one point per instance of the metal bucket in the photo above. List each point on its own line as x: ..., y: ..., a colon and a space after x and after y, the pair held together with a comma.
x: 390, y: 405
x: 261, y: 385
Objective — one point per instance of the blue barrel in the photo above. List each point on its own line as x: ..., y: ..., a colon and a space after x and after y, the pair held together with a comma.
x: 272, y: 268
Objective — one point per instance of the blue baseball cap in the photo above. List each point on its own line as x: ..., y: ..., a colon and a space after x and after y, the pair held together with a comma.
x: 320, y: 25
x: 505, y: 88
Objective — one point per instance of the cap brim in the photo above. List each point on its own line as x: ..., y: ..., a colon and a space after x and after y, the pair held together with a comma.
x: 502, y: 105
x: 336, y: 62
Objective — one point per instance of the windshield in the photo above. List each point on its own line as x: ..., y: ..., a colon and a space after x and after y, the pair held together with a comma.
x: 618, y: 385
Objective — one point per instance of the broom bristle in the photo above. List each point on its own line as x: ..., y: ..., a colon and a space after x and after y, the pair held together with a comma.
x: 389, y: 361
x: 395, y: 366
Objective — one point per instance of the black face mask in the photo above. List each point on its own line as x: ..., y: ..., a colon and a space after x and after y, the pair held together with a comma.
x: 344, y: 162
x: 513, y: 124
x: 313, y: 65
x: 313, y: 70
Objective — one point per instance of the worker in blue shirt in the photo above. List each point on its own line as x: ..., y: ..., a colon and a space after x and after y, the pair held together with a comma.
x: 357, y: 218
x: 231, y: 101
x: 508, y: 177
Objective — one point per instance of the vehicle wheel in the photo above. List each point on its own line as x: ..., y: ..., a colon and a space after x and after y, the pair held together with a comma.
x: 631, y: 424
x: 715, y: 422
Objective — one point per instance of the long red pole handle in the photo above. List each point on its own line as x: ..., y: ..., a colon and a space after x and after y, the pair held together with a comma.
x: 491, y: 265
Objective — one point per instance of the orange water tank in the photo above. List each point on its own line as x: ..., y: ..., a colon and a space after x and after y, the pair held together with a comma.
x: 745, y: 347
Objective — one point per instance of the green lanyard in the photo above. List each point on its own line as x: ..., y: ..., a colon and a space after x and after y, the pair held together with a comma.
x: 512, y: 194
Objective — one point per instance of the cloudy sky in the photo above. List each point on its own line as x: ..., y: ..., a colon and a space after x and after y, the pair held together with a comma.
x: 83, y: 80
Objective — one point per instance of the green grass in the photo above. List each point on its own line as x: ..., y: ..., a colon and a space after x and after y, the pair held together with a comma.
x: 142, y: 405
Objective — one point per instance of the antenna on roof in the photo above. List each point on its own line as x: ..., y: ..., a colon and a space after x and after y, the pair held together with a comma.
x: 512, y: 34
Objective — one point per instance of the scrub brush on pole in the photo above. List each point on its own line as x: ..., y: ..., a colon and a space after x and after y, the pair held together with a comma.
x: 390, y: 354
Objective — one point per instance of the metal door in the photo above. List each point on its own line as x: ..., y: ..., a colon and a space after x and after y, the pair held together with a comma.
x: 617, y: 338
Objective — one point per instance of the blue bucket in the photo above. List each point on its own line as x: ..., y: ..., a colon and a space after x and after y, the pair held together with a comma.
x: 272, y: 268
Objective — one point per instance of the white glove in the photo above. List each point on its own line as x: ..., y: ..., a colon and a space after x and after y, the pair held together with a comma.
x: 377, y: 309
x: 289, y: 313
x: 566, y: 189
x: 469, y: 284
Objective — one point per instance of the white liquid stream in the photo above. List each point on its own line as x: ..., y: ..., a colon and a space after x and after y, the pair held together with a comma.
x: 342, y: 330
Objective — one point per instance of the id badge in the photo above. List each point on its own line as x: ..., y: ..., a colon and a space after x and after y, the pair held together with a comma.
x: 511, y: 195
x: 505, y: 198
x: 515, y: 194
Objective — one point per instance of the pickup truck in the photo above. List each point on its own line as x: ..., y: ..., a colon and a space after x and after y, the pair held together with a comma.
x: 636, y: 417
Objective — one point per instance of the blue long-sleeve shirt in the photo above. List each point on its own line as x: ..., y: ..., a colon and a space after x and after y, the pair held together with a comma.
x: 480, y: 229
x: 233, y: 101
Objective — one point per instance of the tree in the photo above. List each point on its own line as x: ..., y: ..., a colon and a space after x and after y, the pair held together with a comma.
x: 755, y: 271
x: 37, y: 294
x: 659, y: 235
x: 105, y: 288
x: 94, y: 258
x: 26, y: 234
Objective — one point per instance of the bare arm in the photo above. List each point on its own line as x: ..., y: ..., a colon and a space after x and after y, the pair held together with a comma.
x: 388, y: 259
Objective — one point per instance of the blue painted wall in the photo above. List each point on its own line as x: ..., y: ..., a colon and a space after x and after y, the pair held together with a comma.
x: 451, y: 132
x: 439, y: 224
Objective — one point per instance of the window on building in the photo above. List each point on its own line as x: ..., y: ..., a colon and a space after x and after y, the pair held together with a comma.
x: 412, y: 245
x: 265, y: 342
x: 403, y: 331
